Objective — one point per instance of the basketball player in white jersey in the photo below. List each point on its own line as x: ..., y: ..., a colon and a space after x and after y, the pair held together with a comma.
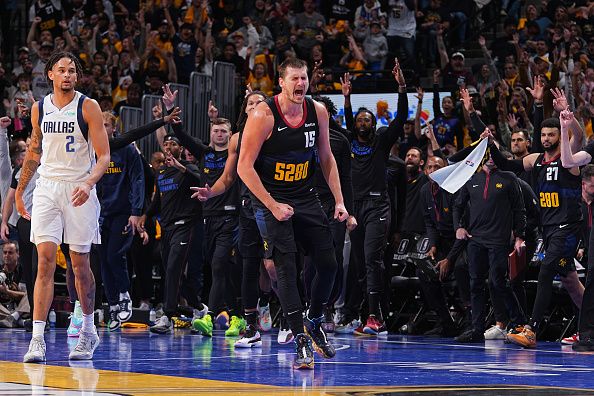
x: 69, y: 149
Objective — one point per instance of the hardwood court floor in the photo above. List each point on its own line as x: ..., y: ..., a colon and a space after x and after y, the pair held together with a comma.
x: 134, y: 362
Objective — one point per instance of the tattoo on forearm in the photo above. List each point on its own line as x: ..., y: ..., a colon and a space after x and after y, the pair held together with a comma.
x: 36, y: 138
x: 28, y: 170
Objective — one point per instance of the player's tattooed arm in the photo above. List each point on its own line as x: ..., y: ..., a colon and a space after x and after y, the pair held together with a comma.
x: 30, y: 164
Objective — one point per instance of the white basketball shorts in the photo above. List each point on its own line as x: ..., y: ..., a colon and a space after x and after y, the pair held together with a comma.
x: 55, y: 219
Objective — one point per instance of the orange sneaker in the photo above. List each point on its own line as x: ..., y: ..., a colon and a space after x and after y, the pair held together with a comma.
x: 526, y: 338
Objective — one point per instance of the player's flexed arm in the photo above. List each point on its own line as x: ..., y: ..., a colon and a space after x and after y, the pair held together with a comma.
x: 257, y: 129
x: 31, y: 162
x: 98, y: 136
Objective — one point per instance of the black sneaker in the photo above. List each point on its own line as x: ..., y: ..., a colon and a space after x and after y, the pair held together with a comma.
x: 113, y: 322
x: 583, y: 345
x: 313, y: 327
x: 470, y: 336
x: 304, y: 358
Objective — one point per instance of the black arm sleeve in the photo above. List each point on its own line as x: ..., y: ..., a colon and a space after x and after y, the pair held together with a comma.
x: 348, y: 117
x: 515, y: 166
x: 436, y: 107
x: 477, y: 124
x: 536, y: 122
x: 346, y: 183
x: 126, y: 138
x: 396, y: 127
x: 194, y: 146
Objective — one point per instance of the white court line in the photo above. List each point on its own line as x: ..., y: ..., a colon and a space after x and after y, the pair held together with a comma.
x: 455, y: 346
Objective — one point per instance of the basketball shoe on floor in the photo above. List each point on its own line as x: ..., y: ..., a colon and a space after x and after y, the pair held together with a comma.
x: 374, y: 326
x: 125, y: 309
x: 199, y: 313
x: 222, y: 321
x: 313, y: 328
x: 526, y: 338
x: 347, y: 328
x: 285, y: 335
x: 304, y: 358
x: 87, y: 343
x: 203, y: 326
x: 571, y: 340
x: 162, y: 326
x: 113, y: 322
x: 75, y: 321
x: 495, y: 333
x: 236, y: 328
x: 251, y: 338
x: 264, y: 318
x: 36, y: 352
x: 585, y: 344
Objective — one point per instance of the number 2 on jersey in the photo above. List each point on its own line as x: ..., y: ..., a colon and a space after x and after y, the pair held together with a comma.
x: 69, y: 143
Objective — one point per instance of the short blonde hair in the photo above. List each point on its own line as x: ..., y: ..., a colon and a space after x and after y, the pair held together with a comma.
x: 107, y: 116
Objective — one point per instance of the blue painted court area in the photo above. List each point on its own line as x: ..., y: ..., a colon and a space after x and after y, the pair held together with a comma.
x: 389, y: 361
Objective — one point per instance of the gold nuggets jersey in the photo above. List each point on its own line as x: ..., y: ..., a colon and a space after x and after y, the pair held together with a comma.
x: 68, y: 155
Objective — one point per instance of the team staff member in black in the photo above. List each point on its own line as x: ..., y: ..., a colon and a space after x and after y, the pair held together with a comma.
x: 496, y: 208
x: 370, y: 153
x: 179, y: 212
x: 558, y: 191
x: 276, y: 162
x: 586, y: 322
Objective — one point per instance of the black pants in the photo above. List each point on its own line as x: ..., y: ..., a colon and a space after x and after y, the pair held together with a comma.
x: 338, y: 230
x: 28, y: 257
x: 193, y: 279
x: 116, y: 240
x: 251, y: 248
x: 220, y: 235
x: 368, y: 243
x: 490, y: 261
x: 560, y: 243
x: 310, y: 228
x: 175, y: 243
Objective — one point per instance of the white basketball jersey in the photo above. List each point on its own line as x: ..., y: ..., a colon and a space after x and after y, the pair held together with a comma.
x: 401, y: 20
x: 68, y: 155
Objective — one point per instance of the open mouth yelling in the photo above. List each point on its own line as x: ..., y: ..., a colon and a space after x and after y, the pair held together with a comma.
x: 299, y: 93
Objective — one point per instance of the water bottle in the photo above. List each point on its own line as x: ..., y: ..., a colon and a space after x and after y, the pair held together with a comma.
x: 152, y: 316
x: 52, y: 318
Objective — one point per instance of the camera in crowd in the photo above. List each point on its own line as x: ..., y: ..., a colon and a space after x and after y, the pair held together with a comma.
x: 3, y: 277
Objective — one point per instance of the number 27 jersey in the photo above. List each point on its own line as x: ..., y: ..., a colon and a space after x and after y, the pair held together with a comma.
x: 558, y: 191
x: 286, y: 162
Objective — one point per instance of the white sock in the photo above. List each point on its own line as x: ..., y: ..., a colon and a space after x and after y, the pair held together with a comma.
x: 16, y: 315
x: 88, y: 324
x: 38, y: 328
x: 114, y: 308
x: 124, y: 296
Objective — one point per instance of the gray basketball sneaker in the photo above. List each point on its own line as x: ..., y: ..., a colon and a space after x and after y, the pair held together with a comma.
x: 87, y: 343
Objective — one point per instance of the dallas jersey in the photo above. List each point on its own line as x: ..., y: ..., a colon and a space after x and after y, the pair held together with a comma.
x: 558, y: 192
x: 68, y: 155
